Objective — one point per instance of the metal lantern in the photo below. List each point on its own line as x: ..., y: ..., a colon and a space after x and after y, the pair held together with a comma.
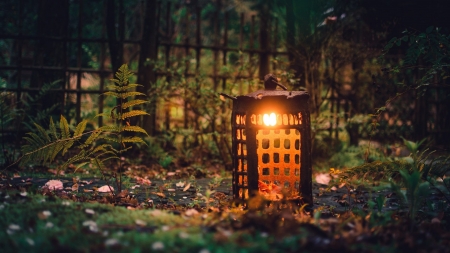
x: 272, y: 143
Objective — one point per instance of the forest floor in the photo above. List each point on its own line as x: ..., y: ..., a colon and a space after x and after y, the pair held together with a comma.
x: 174, y: 212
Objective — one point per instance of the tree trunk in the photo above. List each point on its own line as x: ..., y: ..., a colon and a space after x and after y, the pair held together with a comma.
x: 146, y: 74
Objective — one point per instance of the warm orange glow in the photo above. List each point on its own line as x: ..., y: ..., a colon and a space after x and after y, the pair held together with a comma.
x: 270, y: 119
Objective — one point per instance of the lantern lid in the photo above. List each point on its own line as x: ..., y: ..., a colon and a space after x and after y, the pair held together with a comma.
x: 260, y: 94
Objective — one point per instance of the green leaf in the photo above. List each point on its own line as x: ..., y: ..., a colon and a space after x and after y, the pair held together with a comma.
x: 64, y: 126
x: 110, y: 128
x: 133, y: 139
x: 53, y: 129
x: 133, y: 114
x: 133, y: 103
x: 80, y: 128
x: 134, y: 129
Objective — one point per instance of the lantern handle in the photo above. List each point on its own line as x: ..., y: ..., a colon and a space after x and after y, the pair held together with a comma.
x: 227, y: 96
x: 271, y: 82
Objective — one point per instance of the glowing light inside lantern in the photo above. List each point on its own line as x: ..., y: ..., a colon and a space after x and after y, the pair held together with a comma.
x: 270, y: 119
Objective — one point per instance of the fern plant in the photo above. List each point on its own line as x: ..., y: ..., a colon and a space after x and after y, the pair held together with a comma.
x: 106, y: 143
x: 122, y: 90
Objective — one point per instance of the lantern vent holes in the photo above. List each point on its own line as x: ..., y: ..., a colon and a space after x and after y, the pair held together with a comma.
x: 286, y: 184
x: 276, y: 171
x: 266, y: 171
x: 266, y: 158
x: 286, y: 119
x: 276, y: 143
x: 286, y: 171
x: 265, y: 143
x: 287, y: 144
x: 276, y: 157
x: 297, y: 172
x: 287, y: 158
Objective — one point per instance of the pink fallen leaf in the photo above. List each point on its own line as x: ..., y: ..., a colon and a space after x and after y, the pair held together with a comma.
x: 54, y: 185
x: 105, y: 188
x: 323, y: 178
x: 143, y: 180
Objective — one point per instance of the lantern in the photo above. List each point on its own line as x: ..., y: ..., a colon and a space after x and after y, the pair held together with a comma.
x: 271, y: 144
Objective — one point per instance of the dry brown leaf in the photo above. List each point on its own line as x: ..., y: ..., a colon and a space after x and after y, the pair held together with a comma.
x: 75, y: 187
x: 323, y: 178
x: 160, y: 194
x: 187, y: 187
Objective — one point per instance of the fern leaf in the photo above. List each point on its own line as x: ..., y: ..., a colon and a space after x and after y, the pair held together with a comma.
x: 67, y: 145
x: 133, y: 139
x: 99, y: 148
x: 42, y: 132
x: 53, y: 129
x: 124, y: 94
x: 133, y: 113
x: 111, y: 138
x: 133, y: 103
x: 122, y: 88
x: 131, y: 94
x: 79, y: 166
x: 134, y: 129
x: 111, y: 128
x: 112, y: 94
x: 55, y: 150
x: 94, y: 136
x: 64, y: 126
x: 80, y: 128
x: 37, y: 139
x: 103, y: 114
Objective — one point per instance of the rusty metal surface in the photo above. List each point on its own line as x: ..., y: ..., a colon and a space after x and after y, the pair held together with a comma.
x: 278, y: 154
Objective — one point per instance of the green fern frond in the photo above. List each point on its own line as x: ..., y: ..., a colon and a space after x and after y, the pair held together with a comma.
x: 64, y: 126
x: 93, y: 137
x: 110, y: 138
x: 133, y: 114
x: 134, y: 129
x: 110, y: 128
x: 133, y: 103
x: 42, y: 132
x: 133, y: 139
x: 80, y: 128
x: 122, y: 88
x: 123, y: 95
x: 102, y: 147
x: 103, y: 114
x: 67, y: 145
x: 53, y: 130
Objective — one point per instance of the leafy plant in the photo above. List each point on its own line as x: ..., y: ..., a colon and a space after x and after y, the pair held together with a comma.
x: 106, y: 143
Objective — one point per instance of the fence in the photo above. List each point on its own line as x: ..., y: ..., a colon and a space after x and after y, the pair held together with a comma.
x: 231, y: 55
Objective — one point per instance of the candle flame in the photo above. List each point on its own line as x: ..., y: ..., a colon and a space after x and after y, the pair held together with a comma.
x: 270, y: 119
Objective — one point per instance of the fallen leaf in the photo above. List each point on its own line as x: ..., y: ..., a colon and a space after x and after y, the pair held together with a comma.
x: 75, y: 187
x: 87, y: 190
x: 54, y: 185
x: 89, y: 211
x: 171, y: 190
x: 169, y: 174
x: 142, y: 180
x: 323, y: 178
x: 140, y: 223
x: 160, y: 194
x: 191, y: 212
x: 180, y: 184
x: 105, y: 188
x: 187, y: 187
